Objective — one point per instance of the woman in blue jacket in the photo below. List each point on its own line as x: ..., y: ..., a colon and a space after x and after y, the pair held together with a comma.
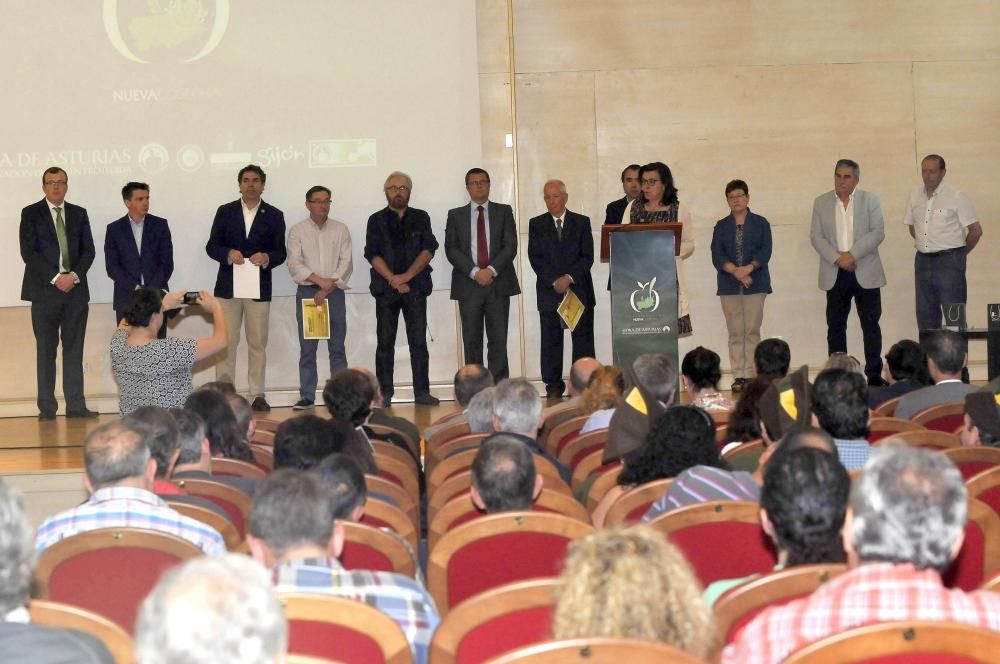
x: 741, y: 249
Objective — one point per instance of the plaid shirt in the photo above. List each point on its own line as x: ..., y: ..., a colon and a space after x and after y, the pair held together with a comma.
x: 399, y: 597
x: 128, y: 507
x: 874, y: 592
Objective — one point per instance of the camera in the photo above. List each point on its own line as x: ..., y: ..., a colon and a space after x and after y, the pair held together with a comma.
x: 191, y: 297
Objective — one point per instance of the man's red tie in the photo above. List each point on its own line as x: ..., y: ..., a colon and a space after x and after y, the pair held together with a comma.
x: 482, y: 251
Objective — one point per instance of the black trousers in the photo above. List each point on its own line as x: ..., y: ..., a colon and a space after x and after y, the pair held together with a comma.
x: 550, y: 326
x: 54, y: 317
x: 484, y: 308
x: 838, y: 308
x: 414, y: 308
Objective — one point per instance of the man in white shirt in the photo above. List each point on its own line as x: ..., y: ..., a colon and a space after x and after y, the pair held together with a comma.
x: 319, y: 260
x: 847, y: 229
x: 943, y: 224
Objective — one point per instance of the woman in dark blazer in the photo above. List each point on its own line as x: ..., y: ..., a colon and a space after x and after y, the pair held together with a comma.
x: 741, y: 249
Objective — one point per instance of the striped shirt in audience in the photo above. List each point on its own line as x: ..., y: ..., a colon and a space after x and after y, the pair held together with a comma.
x: 700, y: 484
x: 401, y: 598
x: 128, y: 507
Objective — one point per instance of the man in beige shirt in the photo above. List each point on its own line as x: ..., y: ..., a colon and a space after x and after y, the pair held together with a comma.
x: 319, y: 259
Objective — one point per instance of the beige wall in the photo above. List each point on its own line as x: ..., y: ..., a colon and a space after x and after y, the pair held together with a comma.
x: 772, y: 92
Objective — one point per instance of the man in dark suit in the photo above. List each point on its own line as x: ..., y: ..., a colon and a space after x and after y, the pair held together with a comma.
x: 138, y: 251
x: 632, y: 186
x: 58, y: 249
x: 481, y: 242
x: 561, y: 252
x: 251, y: 231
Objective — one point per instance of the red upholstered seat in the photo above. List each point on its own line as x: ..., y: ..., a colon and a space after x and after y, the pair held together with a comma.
x: 231, y: 500
x: 369, y: 548
x: 721, y: 539
x: 974, y: 460
x: 350, y: 631
x: 942, y: 417
x: 980, y: 554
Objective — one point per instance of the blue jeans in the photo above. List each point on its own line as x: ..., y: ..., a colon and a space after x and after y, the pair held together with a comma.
x: 308, y: 377
x: 939, y: 279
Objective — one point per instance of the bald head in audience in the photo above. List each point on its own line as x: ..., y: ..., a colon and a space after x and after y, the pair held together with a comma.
x: 115, y: 454
x: 579, y: 374
x: 503, y: 476
x: 470, y: 380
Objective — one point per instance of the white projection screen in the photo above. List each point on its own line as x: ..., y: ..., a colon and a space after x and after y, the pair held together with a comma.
x: 182, y: 93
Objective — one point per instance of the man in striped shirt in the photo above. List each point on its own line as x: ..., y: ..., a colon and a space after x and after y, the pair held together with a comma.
x: 119, y: 475
x: 293, y: 532
x: 904, y: 527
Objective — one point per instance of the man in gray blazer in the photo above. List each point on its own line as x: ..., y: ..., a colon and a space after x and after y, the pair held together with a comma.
x: 481, y: 242
x: 946, y: 357
x: 847, y: 228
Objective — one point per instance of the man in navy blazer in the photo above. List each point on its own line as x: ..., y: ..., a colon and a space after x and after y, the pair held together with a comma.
x: 847, y: 229
x: 480, y: 242
x: 58, y: 249
x: 138, y: 250
x: 632, y: 187
x: 561, y: 252
x: 247, y: 230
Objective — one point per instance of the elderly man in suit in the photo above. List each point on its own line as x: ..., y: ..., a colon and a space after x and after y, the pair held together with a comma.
x: 58, y: 249
x: 561, y: 252
x: 481, y: 242
x: 247, y: 230
x: 138, y: 250
x: 847, y: 228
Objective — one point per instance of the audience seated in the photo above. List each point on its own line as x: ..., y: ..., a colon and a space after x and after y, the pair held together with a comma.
x: 341, y: 475
x: 700, y: 375
x: 744, y: 421
x: 119, y: 473
x: 982, y: 419
x: 772, y: 357
x: 803, y: 501
x: 469, y: 381
x: 503, y: 476
x: 479, y: 412
x: 579, y: 377
x: 840, y: 407
x: 379, y: 414
x: 194, y: 458
x: 654, y: 391
x: 20, y: 641
x: 904, y: 527
x: 243, y: 414
x: 303, y: 441
x: 225, y: 437
x: 841, y: 360
x: 906, y: 366
x: 348, y: 398
x: 603, y: 392
x: 212, y: 610
x: 517, y: 411
x: 631, y: 583
x: 221, y: 386
x: 946, y: 357
x: 293, y: 532
x: 654, y: 372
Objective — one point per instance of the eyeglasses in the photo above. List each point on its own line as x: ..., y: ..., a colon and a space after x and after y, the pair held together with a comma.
x: 402, y: 189
x: 55, y: 183
x: 650, y: 182
x: 322, y: 202
x: 479, y: 183
x: 736, y: 197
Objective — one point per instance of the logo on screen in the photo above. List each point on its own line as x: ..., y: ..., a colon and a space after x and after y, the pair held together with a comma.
x: 165, y: 30
x: 645, y: 300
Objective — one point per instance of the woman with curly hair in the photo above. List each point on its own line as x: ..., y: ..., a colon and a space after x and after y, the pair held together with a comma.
x: 632, y: 583
x: 599, y: 398
x: 682, y: 437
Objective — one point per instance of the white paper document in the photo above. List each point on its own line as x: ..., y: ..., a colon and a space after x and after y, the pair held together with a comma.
x: 246, y: 280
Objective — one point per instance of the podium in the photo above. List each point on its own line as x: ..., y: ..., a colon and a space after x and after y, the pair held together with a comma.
x: 643, y: 289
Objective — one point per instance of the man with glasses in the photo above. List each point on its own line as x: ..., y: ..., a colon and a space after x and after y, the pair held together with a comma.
x: 58, y: 249
x: 399, y: 244
x: 481, y: 242
x: 319, y: 260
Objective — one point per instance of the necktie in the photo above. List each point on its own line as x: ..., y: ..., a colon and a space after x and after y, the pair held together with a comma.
x: 559, y: 228
x: 482, y: 250
x: 61, y: 238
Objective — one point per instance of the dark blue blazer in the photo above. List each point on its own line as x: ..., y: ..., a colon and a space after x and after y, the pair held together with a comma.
x: 127, y: 266
x: 267, y: 234
x: 615, y: 211
x: 551, y: 257
x: 756, y: 247
x: 40, y: 249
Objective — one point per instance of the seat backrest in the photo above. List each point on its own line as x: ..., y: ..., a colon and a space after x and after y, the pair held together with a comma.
x: 495, y: 621
x: 902, y: 642
x: 221, y: 524
x: 345, y: 629
x: 974, y: 460
x: 601, y: 486
x: 263, y: 456
x: 582, y: 445
x: 109, y: 571
x: 380, y: 514
x: 928, y: 439
x: 467, y: 441
x: 739, y: 605
x: 235, y: 503
x: 381, y: 430
x: 881, y: 427
x: 265, y: 424
x: 551, y: 442
x: 262, y: 437
x: 395, y: 495
x: 369, y: 548
x: 745, y: 456
x: 447, y: 433
x: 985, y: 487
x: 64, y: 616
x: 632, y: 504
x: 498, y: 549
x: 942, y: 417
x: 450, y: 488
x: 399, y: 472
x: 385, y: 448
x: 708, y: 534
x: 602, y: 649
x: 886, y: 408
x: 445, y: 468
x: 979, y: 557
x: 237, y: 468
x: 592, y: 463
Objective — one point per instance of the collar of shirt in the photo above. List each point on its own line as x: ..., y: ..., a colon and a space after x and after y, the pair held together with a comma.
x: 949, y: 380
x: 125, y: 493
x: 326, y: 562
x: 137, y: 223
